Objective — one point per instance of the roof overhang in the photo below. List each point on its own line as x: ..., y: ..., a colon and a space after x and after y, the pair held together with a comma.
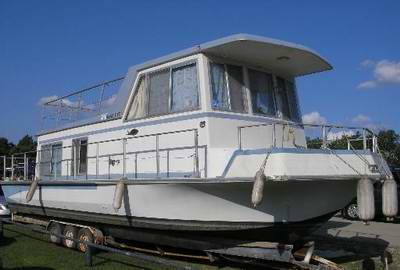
x: 275, y: 55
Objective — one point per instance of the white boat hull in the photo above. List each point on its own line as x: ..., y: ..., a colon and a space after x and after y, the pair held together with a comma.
x: 187, y: 206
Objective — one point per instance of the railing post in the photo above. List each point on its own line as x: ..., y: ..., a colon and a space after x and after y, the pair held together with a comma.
x: 25, y: 167
x: 124, y: 157
x: 240, y: 138
x: 167, y: 163
x: 67, y: 176
x: 97, y: 160
x: 274, y: 135
x: 79, y: 107
x: 75, y: 161
x: 364, y: 139
x: 136, y: 165
x: 39, y: 160
x: 323, y: 136
x: 109, y: 167
x: 196, y: 152
x: 374, y: 143
x: 348, y: 145
x: 101, y: 98
x: 157, y: 155
x: 12, y: 167
x: 4, y: 167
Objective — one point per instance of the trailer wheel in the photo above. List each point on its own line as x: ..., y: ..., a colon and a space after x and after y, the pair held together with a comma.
x: 84, y: 235
x: 70, y: 232
x: 351, y: 211
x: 55, y: 228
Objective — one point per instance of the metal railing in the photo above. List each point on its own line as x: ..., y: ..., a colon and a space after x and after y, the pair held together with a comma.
x: 12, y: 166
x: 365, y: 136
x: 78, y: 105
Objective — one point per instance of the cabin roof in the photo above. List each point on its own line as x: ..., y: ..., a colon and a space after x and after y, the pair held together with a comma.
x: 280, y: 56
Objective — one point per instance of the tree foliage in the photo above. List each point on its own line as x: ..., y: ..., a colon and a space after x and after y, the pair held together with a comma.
x: 389, y: 144
x: 26, y: 144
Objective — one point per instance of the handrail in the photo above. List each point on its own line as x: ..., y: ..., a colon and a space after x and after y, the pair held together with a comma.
x: 83, y: 90
x: 80, y: 104
x: 124, y: 153
x: 324, y: 128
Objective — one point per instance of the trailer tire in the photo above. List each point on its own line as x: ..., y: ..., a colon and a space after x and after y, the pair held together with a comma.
x: 71, y: 232
x: 55, y: 228
x: 350, y: 212
x: 84, y: 235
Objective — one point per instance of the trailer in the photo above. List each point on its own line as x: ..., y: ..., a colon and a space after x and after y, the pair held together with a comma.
x: 88, y: 238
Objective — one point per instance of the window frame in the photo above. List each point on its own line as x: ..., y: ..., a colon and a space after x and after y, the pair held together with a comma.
x: 246, y: 82
x: 145, y: 75
x: 50, y: 165
x: 245, y: 96
x: 275, y: 105
x: 74, y: 161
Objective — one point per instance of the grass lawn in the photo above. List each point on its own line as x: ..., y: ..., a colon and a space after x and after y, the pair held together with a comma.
x: 22, y: 249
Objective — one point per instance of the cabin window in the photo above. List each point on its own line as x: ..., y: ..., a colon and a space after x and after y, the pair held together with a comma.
x: 138, y: 107
x: 51, y: 159
x: 158, y: 93
x: 56, y: 159
x: 228, y: 92
x: 262, y: 92
x: 282, y: 98
x: 45, y: 160
x: 287, y: 100
x: 170, y: 90
x: 293, y: 102
x: 184, y: 88
x: 79, y: 156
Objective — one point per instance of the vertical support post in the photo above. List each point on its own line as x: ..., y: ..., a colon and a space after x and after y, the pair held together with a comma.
x: 158, y: 155
x: 348, y: 144
x: 364, y: 139
x: 374, y: 143
x: 101, y: 98
x: 97, y: 160
x: 274, y: 135
x: 167, y: 162
x: 4, y: 167
x: 58, y: 112
x: 240, y: 138
x: 88, y: 255
x: 87, y: 160
x: 12, y: 167
x: 205, y: 162
x: 39, y: 161
x: 109, y: 167
x: 196, y: 152
x: 124, y: 157
x: 25, y: 167
x: 136, y: 165
x: 323, y: 136
x: 75, y: 160
x: 67, y: 169
x: 52, y: 164
x: 78, y: 109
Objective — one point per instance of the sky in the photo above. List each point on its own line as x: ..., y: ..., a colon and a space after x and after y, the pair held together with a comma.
x: 54, y: 47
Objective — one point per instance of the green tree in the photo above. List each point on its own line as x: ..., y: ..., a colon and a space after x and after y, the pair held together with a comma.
x: 389, y: 144
x: 26, y: 144
x: 5, y: 147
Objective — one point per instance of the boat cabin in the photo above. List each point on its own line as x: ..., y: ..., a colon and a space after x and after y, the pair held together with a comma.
x: 210, y: 111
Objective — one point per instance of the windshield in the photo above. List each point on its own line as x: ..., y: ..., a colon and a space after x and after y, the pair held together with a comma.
x: 263, y: 92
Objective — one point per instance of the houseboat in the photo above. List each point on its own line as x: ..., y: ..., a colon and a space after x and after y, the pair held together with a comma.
x: 208, y: 141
